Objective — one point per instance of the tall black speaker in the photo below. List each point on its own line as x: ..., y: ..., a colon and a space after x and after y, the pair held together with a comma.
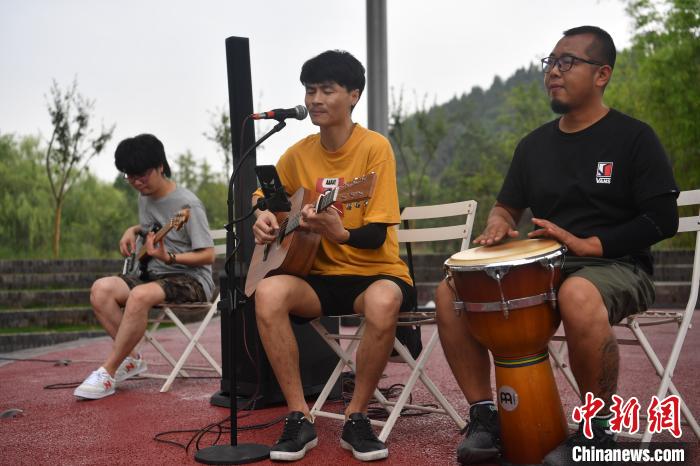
x: 256, y: 380
x: 253, y: 374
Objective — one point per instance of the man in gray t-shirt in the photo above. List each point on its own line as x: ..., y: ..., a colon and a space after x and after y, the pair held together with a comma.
x: 178, y: 268
x: 193, y: 235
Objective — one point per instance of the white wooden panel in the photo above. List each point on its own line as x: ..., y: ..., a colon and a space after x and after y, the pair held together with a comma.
x: 438, y: 210
x: 432, y: 234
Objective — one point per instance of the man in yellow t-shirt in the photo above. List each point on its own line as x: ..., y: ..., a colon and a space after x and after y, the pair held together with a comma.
x: 357, y: 268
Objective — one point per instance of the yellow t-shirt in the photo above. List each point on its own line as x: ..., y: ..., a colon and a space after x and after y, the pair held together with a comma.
x: 307, y: 164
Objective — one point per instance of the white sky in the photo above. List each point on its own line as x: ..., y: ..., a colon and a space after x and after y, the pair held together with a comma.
x: 160, y: 66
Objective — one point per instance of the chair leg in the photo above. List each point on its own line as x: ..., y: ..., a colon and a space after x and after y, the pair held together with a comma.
x: 149, y: 335
x: 345, y: 360
x: 193, y: 342
x: 345, y: 356
x: 417, y: 372
x: 558, y: 356
x: 665, y: 373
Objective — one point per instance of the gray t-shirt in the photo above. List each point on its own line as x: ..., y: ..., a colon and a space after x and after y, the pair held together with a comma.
x: 193, y: 235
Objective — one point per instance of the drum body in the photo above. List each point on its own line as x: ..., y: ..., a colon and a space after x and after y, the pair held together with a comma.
x: 509, y: 295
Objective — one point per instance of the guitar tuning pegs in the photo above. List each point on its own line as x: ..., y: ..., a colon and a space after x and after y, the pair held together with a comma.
x: 357, y: 205
x: 348, y: 206
x: 366, y: 202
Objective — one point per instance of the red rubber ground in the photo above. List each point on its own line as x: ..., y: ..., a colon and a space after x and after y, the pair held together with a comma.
x: 54, y: 428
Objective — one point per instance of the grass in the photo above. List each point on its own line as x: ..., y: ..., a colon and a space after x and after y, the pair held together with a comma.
x: 44, y: 307
x: 64, y: 328
x: 55, y: 328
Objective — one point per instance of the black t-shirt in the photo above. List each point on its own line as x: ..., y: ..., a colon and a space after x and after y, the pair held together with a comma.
x: 591, y: 180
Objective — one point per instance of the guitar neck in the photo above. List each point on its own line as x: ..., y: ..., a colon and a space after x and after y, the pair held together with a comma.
x: 158, y: 238
x: 325, y: 201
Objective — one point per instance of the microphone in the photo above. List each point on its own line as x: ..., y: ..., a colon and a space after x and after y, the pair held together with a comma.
x: 299, y: 112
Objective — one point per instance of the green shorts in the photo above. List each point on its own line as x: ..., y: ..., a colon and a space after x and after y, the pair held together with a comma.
x: 626, y: 288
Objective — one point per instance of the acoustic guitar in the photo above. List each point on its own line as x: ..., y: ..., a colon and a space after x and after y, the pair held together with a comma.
x: 176, y: 222
x: 294, y: 250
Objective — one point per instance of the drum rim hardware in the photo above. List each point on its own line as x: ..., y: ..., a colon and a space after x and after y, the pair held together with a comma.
x: 507, y: 264
x: 552, y: 261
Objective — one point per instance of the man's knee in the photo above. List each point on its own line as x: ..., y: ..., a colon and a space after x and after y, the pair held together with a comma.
x: 580, y: 302
x: 444, y: 302
x: 102, y: 292
x: 143, y: 297
x: 271, y: 299
x: 382, y: 306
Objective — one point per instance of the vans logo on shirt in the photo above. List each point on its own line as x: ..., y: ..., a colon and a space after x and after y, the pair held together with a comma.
x: 603, y: 174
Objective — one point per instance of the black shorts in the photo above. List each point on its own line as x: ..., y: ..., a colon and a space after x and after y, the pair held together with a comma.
x: 337, y: 293
x: 178, y: 288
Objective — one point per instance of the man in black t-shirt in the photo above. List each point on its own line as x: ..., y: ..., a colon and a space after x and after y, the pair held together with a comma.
x: 599, y: 182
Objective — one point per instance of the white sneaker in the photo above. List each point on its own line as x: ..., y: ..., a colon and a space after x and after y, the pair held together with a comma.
x: 98, y: 385
x: 130, y: 367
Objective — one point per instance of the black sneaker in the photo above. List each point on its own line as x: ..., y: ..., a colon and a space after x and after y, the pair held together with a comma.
x: 359, y: 437
x: 298, y: 436
x: 483, y: 440
x: 562, y: 454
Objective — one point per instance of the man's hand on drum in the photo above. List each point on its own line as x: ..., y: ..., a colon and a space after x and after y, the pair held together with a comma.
x: 590, y: 247
x: 265, y: 228
x: 497, y: 229
x: 327, y: 223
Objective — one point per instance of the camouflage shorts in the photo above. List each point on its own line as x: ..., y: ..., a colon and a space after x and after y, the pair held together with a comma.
x: 178, y: 288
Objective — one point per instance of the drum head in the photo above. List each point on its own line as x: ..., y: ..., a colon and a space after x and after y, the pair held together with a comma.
x: 513, y: 251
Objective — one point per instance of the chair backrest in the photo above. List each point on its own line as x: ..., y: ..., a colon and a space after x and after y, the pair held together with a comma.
x: 690, y: 224
x: 461, y: 231
x: 219, y: 246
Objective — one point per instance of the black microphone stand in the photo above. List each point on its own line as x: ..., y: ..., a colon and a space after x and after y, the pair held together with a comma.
x: 236, y: 453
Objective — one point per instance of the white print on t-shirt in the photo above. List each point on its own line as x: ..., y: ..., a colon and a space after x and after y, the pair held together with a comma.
x: 603, y: 173
x: 324, y: 184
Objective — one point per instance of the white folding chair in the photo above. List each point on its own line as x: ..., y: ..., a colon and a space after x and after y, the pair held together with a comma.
x: 176, y: 313
x: 420, y: 317
x: 682, y: 318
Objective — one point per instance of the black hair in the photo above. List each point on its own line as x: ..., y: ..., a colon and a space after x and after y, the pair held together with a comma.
x: 138, y: 154
x: 334, y: 66
x: 602, y: 49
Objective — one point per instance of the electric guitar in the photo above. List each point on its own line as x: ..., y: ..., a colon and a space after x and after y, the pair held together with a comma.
x: 142, y: 257
x: 294, y: 250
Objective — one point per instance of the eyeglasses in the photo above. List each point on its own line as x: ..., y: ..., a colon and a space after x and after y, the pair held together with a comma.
x: 564, y: 63
x: 134, y: 177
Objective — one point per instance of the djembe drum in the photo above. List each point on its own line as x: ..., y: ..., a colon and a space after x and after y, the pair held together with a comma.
x: 508, y: 292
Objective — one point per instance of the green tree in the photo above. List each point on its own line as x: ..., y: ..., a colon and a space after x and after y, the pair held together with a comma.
x: 96, y: 215
x: 526, y: 107
x: 71, y: 147
x: 213, y: 194
x: 123, y: 186
x: 475, y: 171
x: 25, y: 200
x: 221, y: 136
x: 187, y: 170
x: 416, y: 142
